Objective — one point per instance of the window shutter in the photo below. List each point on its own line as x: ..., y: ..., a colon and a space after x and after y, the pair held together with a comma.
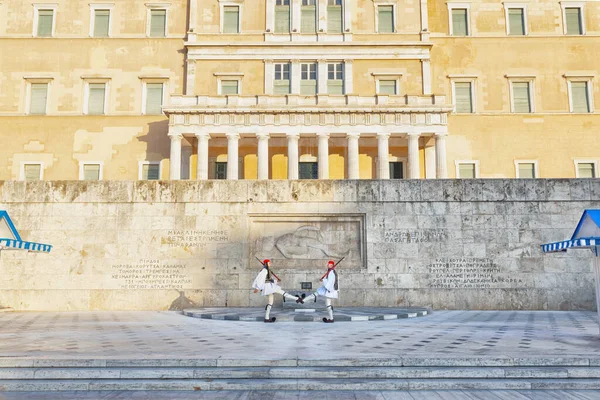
x: 463, y: 101
x: 460, y: 25
x: 39, y: 98
x: 586, y: 170
x: 91, y: 172
x: 466, y: 171
x: 396, y: 170
x: 45, y: 22
x: 308, y: 19
x: 231, y: 18
x: 282, y: 19
x: 579, y: 95
x: 521, y: 98
x: 229, y: 87
x: 282, y: 86
x: 516, y: 21
x: 96, y: 100
x: 573, y: 19
x: 386, y: 19
x: 526, y: 170
x: 335, y: 86
x: 387, y: 87
x: 154, y: 97
x: 158, y: 22
x: 150, y: 172
x: 32, y: 172
x: 308, y: 87
x: 101, y: 22
x: 334, y: 19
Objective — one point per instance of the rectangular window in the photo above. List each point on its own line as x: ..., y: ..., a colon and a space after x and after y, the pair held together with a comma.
x: 229, y: 87
x: 91, y: 172
x: 580, y: 101
x: 150, y: 172
x: 586, y: 170
x: 282, y: 79
x: 308, y: 170
x: 526, y: 170
x: 521, y: 97
x: 154, y: 98
x: 308, y: 16
x: 158, y: 23
x: 466, y: 171
x: 463, y: 97
x: 97, y: 98
x: 220, y: 170
x: 396, y: 170
x: 516, y: 21
x: 101, y: 23
x: 460, y: 22
x: 335, y: 78
x: 334, y: 16
x: 308, y: 79
x: 282, y: 16
x: 573, y: 21
x: 231, y: 19
x: 32, y: 172
x: 385, y: 19
x: 45, y: 21
x: 388, y: 87
x: 39, y: 99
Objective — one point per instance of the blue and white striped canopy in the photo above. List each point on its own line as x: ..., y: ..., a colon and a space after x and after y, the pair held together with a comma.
x: 19, y: 244
x: 583, y: 243
x: 586, y: 235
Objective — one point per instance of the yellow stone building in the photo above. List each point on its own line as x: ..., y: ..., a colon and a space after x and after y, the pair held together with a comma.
x: 337, y: 89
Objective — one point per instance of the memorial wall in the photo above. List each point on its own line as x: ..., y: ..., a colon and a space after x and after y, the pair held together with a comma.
x: 153, y: 245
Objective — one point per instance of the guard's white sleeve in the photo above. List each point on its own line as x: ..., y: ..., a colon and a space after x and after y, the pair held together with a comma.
x: 259, y: 282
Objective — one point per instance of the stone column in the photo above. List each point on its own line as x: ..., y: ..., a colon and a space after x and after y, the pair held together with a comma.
x: 323, y: 157
x: 383, y: 150
x: 175, y: 159
x: 232, y: 156
x: 440, y: 156
x: 293, y: 155
x: 322, y: 16
x: 270, y: 17
x: 263, y: 155
x: 414, y: 170
x: 296, y: 16
x: 430, y: 172
x: 202, y: 164
x: 353, y: 168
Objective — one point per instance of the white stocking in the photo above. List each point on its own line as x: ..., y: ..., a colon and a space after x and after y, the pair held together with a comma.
x: 286, y: 295
x: 311, y: 297
x: 329, y: 307
x: 269, y: 305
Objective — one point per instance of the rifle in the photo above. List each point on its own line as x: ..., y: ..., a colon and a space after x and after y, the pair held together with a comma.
x: 272, y: 273
x: 327, y: 273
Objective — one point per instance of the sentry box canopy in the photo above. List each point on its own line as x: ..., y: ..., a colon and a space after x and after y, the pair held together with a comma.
x: 11, y: 240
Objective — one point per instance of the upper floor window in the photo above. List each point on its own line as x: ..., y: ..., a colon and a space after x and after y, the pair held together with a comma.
x: 334, y: 16
x: 573, y: 18
x: 149, y: 170
x: 308, y: 79
x: 516, y: 21
x: 385, y: 19
x: 308, y: 16
x: 96, y: 98
x: 38, y: 98
x: 580, y: 96
x: 522, y: 96
x: 335, y: 78
x: 100, y: 20
x: 282, y: 79
x: 230, y: 86
x: 526, y: 169
x: 154, y: 98
x: 44, y: 20
x: 90, y: 171
x: 387, y: 86
x: 282, y: 16
x: 231, y: 19
x: 32, y: 171
x: 459, y: 19
x: 157, y: 26
x: 463, y: 95
x: 308, y: 170
x: 467, y: 169
x: 586, y: 169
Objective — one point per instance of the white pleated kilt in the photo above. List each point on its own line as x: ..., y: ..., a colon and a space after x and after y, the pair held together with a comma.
x: 270, y: 288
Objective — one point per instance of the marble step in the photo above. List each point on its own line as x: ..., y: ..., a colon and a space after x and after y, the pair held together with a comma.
x: 79, y: 373
x: 297, y: 384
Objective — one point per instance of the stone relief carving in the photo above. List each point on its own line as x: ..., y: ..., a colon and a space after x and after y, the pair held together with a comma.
x: 306, y: 242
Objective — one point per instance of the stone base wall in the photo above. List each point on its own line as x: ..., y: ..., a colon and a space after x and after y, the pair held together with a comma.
x: 153, y: 245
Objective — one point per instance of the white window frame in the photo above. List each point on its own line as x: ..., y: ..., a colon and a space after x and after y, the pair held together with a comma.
x: 585, y: 161
x: 536, y: 171
x: 590, y: 91
x: 573, y: 4
x: 394, y: 5
x: 465, y: 79
x: 86, y: 94
x: 29, y: 81
x: 82, y: 164
x: 145, y: 82
x: 452, y: 6
x: 516, y: 79
x: 22, y: 169
x: 457, y: 164
x: 523, y: 6
x: 231, y: 3
x: 36, y: 13
x: 157, y: 6
x: 142, y: 163
x: 229, y: 76
x: 101, y: 6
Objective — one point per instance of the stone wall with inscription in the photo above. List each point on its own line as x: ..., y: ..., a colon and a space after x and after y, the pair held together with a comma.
x: 153, y: 245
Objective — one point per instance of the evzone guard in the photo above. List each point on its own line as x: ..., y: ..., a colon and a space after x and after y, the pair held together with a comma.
x: 266, y: 281
x: 329, y: 289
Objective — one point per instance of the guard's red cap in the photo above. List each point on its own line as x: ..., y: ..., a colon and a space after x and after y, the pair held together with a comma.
x: 330, y: 262
x: 266, y: 261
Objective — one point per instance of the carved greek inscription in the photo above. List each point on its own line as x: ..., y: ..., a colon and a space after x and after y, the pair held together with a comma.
x: 474, y: 273
x: 151, y: 274
x: 194, y: 238
x: 413, y: 236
